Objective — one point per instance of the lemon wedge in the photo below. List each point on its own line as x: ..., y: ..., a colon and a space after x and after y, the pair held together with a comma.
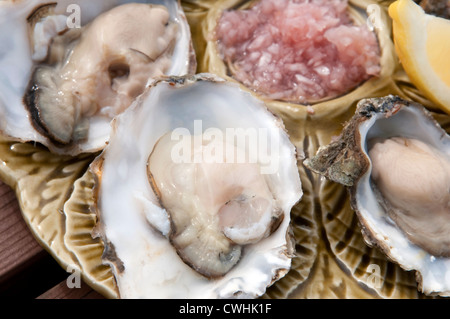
x: 422, y: 43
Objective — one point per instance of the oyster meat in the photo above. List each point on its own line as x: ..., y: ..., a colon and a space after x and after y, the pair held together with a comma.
x: 194, y: 194
x: 395, y: 159
x: 72, y: 77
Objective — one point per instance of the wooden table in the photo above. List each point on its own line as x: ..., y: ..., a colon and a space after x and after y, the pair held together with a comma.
x: 26, y: 269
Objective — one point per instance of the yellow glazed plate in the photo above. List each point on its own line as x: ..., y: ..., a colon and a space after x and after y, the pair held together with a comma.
x: 332, y: 260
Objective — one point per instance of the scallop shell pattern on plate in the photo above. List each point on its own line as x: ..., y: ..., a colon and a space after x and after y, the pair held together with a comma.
x: 80, y: 237
x: 43, y: 183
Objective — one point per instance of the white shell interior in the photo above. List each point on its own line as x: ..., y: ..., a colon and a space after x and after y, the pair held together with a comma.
x: 16, y: 65
x: 408, y: 122
x: 152, y: 267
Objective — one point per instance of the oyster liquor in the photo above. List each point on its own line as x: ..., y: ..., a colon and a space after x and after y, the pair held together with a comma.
x: 228, y: 308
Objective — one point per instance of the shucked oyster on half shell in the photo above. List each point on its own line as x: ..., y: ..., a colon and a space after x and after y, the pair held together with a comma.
x: 395, y: 159
x: 194, y: 193
x: 68, y: 67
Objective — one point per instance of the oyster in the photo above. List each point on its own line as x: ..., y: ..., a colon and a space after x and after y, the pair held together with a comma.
x: 71, y: 66
x: 194, y: 193
x: 395, y: 160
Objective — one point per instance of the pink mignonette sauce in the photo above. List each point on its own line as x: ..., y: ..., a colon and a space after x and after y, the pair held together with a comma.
x: 298, y: 51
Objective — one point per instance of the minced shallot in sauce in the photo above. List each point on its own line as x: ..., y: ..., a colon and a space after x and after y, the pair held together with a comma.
x: 298, y: 50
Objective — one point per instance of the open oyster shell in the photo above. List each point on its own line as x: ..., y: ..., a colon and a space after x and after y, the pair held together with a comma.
x: 346, y: 161
x: 182, y: 225
x: 48, y: 46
